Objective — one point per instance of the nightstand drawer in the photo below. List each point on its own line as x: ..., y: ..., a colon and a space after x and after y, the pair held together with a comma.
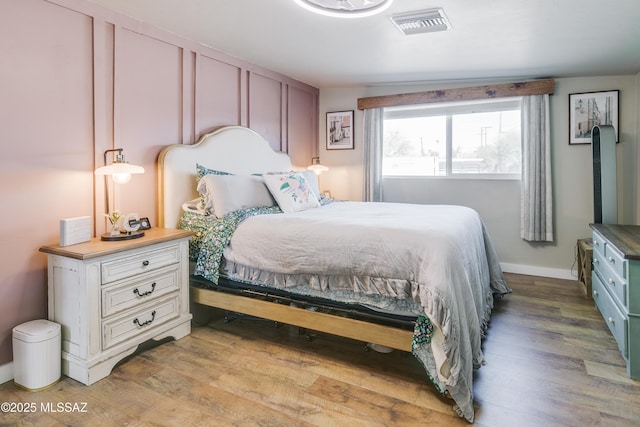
x: 610, y: 278
x: 123, y: 328
x: 614, y: 318
x: 131, y: 292
x: 140, y: 262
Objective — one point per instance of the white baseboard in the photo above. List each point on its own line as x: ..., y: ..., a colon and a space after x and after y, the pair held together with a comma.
x: 6, y: 372
x: 556, y: 273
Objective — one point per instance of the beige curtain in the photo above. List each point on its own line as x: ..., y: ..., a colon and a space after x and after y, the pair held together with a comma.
x: 372, y: 161
x: 536, y: 218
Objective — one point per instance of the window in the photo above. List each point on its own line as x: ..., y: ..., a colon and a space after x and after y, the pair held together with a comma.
x: 466, y: 139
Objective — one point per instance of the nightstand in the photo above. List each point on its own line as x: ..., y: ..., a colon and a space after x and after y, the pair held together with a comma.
x: 110, y: 297
x: 584, y: 249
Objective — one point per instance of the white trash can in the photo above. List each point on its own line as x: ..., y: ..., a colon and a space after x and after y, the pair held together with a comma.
x: 36, y: 354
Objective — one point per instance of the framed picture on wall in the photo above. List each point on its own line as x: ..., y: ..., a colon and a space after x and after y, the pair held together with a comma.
x: 340, y: 130
x: 587, y: 110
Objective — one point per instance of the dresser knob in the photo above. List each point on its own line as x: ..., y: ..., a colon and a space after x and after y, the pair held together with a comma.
x: 611, y: 260
x: 596, y: 261
x: 595, y: 293
x: 145, y: 263
x: 611, y: 321
x: 611, y: 282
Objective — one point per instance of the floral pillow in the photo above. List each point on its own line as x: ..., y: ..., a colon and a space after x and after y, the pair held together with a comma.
x: 292, y: 191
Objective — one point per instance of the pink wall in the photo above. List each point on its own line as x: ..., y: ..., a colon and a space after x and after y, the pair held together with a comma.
x: 76, y: 79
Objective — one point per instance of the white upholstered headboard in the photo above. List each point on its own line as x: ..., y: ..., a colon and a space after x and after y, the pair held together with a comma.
x: 234, y: 149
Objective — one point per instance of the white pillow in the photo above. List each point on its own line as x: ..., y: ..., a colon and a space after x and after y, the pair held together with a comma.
x: 206, y: 201
x: 228, y: 193
x: 292, y: 191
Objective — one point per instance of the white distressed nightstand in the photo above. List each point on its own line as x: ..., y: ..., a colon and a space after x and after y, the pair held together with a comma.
x: 110, y: 297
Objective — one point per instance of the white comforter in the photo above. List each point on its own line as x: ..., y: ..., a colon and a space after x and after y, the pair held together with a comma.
x: 436, y: 258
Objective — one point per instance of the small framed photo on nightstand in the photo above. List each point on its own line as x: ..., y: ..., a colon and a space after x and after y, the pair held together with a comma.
x: 144, y: 223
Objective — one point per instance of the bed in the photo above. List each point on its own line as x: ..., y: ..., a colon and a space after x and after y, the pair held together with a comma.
x: 414, y: 278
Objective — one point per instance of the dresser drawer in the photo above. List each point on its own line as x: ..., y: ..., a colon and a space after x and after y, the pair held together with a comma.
x: 139, y: 262
x: 139, y: 289
x: 614, y: 318
x: 610, y: 278
x: 616, y: 261
x: 598, y: 244
x: 125, y: 327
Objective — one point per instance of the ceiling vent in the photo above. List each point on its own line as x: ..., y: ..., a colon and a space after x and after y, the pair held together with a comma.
x: 421, y: 21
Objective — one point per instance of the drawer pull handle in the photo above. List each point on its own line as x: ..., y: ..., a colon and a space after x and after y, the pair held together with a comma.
x: 611, y: 260
x: 145, y: 263
x: 148, y: 322
x: 144, y: 294
x: 612, y: 282
x: 613, y: 322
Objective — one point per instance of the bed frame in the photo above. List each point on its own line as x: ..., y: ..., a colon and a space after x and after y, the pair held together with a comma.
x: 240, y: 150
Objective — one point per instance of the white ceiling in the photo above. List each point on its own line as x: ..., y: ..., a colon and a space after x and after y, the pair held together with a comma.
x: 493, y: 39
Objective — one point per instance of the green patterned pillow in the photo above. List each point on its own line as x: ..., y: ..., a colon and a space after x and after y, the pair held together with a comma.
x: 203, y: 170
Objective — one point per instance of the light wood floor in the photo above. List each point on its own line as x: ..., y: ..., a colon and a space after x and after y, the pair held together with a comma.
x: 550, y: 362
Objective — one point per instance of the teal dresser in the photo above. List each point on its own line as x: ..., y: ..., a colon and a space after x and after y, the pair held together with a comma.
x: 616, y: 286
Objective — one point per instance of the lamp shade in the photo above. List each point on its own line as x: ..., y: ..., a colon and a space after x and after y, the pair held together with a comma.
x: 318, y: 168
x: 119, y: 170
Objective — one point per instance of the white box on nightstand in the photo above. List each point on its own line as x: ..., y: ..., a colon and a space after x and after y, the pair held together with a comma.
x: 75, y: 230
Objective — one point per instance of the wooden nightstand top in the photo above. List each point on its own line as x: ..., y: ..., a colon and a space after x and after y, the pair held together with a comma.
x: 96, y: 247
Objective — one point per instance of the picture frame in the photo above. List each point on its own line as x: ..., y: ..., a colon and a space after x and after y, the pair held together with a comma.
x: 132, y: 225
x: 144, y: 223
x: 589, y: 109
x: 340, y: 130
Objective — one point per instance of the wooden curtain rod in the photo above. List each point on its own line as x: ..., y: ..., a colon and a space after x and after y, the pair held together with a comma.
x: 535, y: 87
